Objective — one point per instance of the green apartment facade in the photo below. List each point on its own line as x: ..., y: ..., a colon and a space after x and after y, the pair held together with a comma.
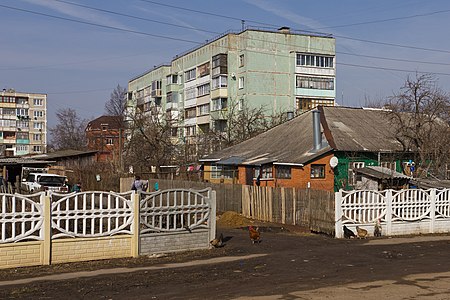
x: 281, y: 71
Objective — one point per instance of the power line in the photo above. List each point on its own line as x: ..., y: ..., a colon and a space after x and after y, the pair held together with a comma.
x: 388, y: 20
x: 392, y: 69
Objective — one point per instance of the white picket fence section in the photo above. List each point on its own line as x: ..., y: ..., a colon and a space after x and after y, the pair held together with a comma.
x: 21, y: 217
x: 410, y: 211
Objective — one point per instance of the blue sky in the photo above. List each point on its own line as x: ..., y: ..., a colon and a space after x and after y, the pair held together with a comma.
x: 78, y: 65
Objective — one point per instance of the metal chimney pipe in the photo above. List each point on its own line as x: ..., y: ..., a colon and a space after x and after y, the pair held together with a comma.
x: 317, y: 134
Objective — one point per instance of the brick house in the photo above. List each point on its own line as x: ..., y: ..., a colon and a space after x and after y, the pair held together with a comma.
x: 320, y: 149
x: 106, y: 135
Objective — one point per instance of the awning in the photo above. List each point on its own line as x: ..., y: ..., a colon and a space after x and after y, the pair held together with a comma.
x: 381, y: 173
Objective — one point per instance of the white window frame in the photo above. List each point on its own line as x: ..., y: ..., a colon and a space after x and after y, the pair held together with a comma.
x: 241, y: 83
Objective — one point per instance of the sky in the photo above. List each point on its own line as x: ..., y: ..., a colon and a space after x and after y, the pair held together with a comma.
x: 78, y: 51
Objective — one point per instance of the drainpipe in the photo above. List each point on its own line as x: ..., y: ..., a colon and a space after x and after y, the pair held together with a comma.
x: 317, y: 134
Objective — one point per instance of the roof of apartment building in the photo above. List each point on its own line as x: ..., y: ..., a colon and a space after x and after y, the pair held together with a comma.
x: 111, y: 122
x: 343, y: 128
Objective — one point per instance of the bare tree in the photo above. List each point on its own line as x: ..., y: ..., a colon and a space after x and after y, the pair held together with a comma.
x: 420, y: 114
x: 69, y: 133
x: 117, y: 102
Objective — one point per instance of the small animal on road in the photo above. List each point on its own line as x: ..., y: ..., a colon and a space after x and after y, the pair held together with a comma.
x: 217, y: 242
x: 362, y: 233
x: 255, y: 236
x: 377, y: 229
x: 348, y: 233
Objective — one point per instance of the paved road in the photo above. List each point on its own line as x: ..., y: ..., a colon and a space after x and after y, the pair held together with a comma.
x: 283, y: 266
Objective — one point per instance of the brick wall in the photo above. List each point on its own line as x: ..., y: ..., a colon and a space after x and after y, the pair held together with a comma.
x: 173, y: 242
x: 83, y: 249
x: 23, y: 254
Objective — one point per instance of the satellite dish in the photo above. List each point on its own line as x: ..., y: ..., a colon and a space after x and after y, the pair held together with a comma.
x: 334, y: 162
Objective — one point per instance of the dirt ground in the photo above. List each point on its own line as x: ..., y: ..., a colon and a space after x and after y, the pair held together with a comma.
x: 293, y: 264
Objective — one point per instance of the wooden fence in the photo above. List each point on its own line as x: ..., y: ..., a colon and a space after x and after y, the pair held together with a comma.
x: 313, y: 209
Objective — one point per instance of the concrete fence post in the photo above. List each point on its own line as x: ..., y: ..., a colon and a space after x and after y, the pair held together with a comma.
x: 47, y: 228
x: 212, y: 216
x: 338, y: 231
x: 136, y: 224
x: 389, y: 199
x: 432, y: 209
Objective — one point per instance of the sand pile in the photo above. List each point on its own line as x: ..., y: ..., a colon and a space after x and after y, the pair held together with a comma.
x: 233, y: 219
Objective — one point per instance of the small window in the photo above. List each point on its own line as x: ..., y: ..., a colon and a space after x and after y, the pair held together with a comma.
x: 241, y: 82
x: 267, y: 171
x: 109, y: 141
x: 317, y: 171
x: 241, y: 60
x: 283, y: 172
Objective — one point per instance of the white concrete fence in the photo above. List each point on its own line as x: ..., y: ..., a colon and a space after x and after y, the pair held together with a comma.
x: 403, y: 212
x: 42, y: 228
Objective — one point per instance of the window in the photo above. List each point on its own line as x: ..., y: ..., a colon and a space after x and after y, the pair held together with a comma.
x: 203, y: 90
x: 22, y: 148
x: 307, y: 103
x: 219, y: 171
x: 109, y: 141
x: 22, y: 112
x: 190, y: 93
x: 241, y: 83
x: 22, y: 135
x: 36, y: 137
x: 241, y: 104
x: 172, y: 79
x: 37, y: 125
x: 191, y: 130
x: 310, y: 60
x: 218, y: 104
x: 317, y: 171
x: 219, y: 82
x: 190, y: 113
x: 389, y: 165
x: 220, y: 125
x: 203, y: 109
x: 320, y: 83
x: 203, y: 70
x: 267, y: 171
x: 189, y: 75
x: 38, y: 114
x: 241, y: 60
x: 283, y: 172
x: 21, y: 100
x: 37, y: 148
x: 38, y: 102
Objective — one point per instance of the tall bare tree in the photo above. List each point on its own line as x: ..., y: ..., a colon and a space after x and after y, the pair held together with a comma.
x: 117, y: 102
x: 420, y: 114
x: 69, y: 132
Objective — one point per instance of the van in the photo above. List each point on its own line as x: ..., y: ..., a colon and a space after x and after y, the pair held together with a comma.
x: 36, y: 182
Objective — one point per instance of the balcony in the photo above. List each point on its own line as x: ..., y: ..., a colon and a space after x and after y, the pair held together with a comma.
x: 156, y: 93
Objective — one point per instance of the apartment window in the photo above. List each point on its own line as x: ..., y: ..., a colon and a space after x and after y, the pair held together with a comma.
x: 220, y: 125
x: 189, y: 75
x: 37, y: 148
x: 174, y: 131
x: 109, y: 141
x: 9, y: 111
x: 203, y: 90
x: 38, y: 102
x: 8, y: 99
x: 283, y: 172
x: 203, y: 70
x: 307, y: 103
x: 22, y: 135
x: 219, y: 82
x: 21, y: 100
x: 23, y: 124
x: 36, y: 137
x: 317, y: 171
x: 320, y: 83
x: 37, y: 125
x: 203, y: 109
x: 241, y: 104
x: 191, y: 130
x: 22, y: 148
x: 22, y: 112
x: 172, y: 79
x: 309, y: 60
x: 38, y: 114
x: 218, y: 104
x: 241, y: 83
x: 190, y: 93
x: 190, y: 113
x: 241, y: 60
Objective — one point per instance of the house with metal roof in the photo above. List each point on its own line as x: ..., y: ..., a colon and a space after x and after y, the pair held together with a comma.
x: 319, y: 149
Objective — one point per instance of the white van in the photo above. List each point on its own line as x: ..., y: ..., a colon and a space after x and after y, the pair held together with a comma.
x: 45, y: 182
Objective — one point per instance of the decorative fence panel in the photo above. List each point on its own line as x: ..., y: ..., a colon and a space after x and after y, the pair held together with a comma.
x: 189, y: 214
x: 411, y: 211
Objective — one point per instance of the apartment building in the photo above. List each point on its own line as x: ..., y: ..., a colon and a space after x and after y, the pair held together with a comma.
x: 280, y: 71
x: 23, y: 123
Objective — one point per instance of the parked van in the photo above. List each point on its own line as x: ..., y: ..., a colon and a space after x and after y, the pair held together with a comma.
x: 45, y: 182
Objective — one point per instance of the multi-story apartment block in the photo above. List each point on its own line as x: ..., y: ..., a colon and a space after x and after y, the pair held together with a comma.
x: 281, y: 71
x: 23, y: 123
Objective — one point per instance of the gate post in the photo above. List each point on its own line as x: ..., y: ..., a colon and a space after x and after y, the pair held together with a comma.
x: 47, y: 228
x: 212, y: 216
x: 432, y: 209
x: 338, y: 214
x: 389, y: 212
x: 135, y: 197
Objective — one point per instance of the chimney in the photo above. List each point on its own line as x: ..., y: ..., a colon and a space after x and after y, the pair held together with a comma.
x: 317, y: 134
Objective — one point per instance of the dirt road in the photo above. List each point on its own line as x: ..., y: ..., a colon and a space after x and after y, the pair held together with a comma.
x: 282, y: 266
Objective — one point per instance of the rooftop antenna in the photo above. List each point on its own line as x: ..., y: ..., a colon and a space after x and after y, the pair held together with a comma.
x: 243, y: 24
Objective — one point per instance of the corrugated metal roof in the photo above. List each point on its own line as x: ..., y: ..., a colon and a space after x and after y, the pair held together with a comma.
x: 381, y: 173
x: 430, y: 183
x: 62, y: 154
x: 22, y: 161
